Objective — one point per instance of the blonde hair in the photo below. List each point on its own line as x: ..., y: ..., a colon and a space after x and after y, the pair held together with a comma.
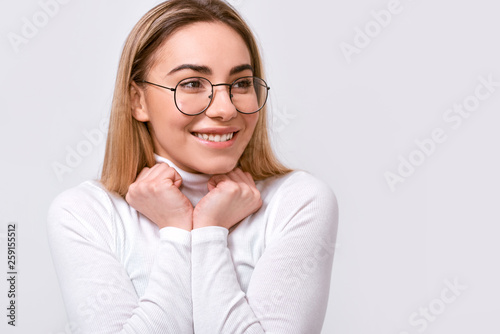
x: 129, y: 146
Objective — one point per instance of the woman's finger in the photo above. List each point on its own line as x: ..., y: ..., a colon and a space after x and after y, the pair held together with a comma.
x: 163, y: 171
x: 249, y: 178
x: 244, y: 179
x: 215, y: 180
x: 236, y: 176
x: 177, y: 179
x: 143, y: 173
x: 159, y: 169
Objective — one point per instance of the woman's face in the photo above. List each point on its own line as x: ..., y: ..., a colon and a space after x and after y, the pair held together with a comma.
x: 213, y: 51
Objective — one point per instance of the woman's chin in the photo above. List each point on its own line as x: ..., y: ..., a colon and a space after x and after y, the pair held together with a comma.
x: 216, y: 169
x: 204, y: 165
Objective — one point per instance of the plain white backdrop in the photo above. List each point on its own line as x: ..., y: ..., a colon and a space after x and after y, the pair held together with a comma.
x: 359, y: 90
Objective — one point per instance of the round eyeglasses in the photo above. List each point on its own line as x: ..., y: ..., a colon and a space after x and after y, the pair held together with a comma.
x: 194, y: 95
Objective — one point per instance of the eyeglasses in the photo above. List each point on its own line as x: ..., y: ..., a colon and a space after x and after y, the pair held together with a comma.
x: 194, y: 95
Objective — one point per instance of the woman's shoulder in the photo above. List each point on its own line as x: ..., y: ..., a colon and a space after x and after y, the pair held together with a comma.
x: 86, y: 204
x: 298, y: 185
x: 299, y: 198
x: 88, y: 193
x: 298, y: 202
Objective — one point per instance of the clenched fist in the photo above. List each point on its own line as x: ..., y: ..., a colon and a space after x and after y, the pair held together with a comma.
x: 231, y: 198
x: 155, y: 193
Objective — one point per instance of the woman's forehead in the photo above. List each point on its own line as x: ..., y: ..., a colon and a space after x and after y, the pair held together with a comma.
x: 215, y: 46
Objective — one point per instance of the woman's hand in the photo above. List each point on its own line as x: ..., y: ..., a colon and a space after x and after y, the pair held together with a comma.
x: 231, y: 198
x: 155, y: 193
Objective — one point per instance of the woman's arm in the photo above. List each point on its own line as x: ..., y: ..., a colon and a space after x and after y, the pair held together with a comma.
x: 97, y: 290
x: 289, y: 287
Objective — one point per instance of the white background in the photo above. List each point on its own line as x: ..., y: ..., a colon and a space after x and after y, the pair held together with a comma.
x: 347, y: 122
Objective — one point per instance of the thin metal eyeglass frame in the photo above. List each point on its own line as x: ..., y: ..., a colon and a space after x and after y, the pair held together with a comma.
x: 212, y: 93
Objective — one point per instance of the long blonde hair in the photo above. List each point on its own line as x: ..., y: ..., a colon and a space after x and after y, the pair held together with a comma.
x: 129, y: 146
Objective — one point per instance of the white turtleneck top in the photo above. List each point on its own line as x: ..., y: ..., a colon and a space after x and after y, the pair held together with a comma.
x: 120, y: 273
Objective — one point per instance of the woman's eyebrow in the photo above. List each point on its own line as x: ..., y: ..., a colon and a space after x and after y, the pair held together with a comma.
x: 208, y: 71
x: 198, y: 68
x: 241, y: 68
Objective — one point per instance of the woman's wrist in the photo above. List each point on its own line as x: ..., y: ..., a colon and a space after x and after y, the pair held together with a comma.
x: 185, y: 224
x: 203, y: 223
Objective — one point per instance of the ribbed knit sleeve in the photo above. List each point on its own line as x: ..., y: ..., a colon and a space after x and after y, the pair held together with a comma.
x: 97, y: 291
x: 289, y: 287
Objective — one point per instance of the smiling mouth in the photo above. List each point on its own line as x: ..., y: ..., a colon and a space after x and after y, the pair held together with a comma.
x: 215, y: 138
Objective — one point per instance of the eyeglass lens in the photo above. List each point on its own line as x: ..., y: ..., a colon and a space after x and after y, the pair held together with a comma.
x: 193, y: 95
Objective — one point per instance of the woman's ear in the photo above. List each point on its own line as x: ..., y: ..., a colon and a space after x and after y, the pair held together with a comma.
x: 138, y: 103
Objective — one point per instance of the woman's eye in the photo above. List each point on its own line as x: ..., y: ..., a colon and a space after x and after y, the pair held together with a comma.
x: 242, y: 86
x: 191, y: 84
x: 243, y: 83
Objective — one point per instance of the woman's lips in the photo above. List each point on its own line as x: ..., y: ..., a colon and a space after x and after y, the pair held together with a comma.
x: 214, y: 137
x: 216, y: 140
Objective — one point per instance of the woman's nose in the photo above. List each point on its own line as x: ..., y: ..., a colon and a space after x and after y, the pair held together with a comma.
x: 221, y: 107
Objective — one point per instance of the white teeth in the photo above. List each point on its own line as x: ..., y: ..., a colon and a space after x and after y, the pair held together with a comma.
x: 215, y: 138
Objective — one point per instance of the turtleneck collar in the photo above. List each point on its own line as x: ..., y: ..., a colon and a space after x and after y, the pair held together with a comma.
x: 194, y: 186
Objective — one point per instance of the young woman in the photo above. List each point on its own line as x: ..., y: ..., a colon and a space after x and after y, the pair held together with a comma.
x: 194, y: 227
